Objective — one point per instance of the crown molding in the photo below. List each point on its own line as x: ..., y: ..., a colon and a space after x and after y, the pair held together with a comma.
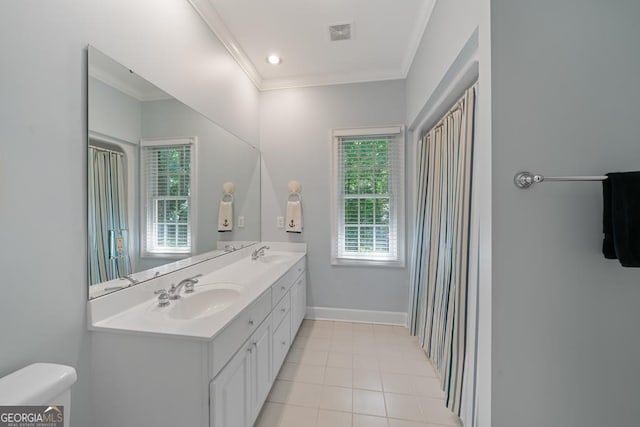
x: 331, y: 79
x: 425, y: 13
x: 211, y: 17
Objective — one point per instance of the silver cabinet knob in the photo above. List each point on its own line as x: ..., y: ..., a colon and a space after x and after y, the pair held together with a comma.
x: 283, y: 309
x: 283, y: 287
x: 284, y: 343
x: 251, y: 322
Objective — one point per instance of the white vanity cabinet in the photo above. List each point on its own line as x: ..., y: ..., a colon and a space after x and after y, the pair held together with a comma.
x: 238, y: 392
x: 167, y: 379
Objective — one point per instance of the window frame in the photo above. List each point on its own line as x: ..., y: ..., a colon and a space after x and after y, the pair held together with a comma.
x: 144, y: 208
x: 338, y: 257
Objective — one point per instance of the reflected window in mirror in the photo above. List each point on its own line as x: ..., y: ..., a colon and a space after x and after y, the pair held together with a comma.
x: 168, y: 196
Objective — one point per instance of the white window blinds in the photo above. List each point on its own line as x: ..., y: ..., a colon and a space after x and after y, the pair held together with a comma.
x: 368, y: 168
x: 167, y: 188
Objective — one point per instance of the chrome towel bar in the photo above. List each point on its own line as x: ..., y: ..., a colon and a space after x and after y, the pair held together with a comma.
x: 527, y: 179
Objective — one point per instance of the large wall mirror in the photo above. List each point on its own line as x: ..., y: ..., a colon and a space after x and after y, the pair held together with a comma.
x: 167, y: 187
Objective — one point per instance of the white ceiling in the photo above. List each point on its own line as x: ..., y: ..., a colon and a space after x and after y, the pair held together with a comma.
x: 386, y: 34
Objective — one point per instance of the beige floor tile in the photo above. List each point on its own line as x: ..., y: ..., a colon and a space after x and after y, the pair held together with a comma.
x: 360, y: 420
x: 341, y: 377
x: 404, y: 423
x: 334, y: 419
x: 314, y: 343
x: 397, y: 366
x: 336, y: 398
x: 340, y: 360
x: 368, y: 402
x: 302, y: 373
x: 280, y: 391
x: 401, y: 330
x: 270, y: 415
x: 367, y: 379
x: 342, y: 326
x: 397, y: 383
x: 435, y: 412
x: 342, y: 345
x: 304, y: 394
x: 342, y: 334
x: 383, y: 329
x: 294, y: 355
x: 363, y: 327
x: 403, y: 407
x: 299, y: 342
x: 427, y: 386
x: 365, y: 361
x: 296, y: 416
x: 314, y: 357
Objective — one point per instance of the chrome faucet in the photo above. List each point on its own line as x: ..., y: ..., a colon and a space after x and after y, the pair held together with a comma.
x: 230, y: 248
x: 188, y: 284
x: 259, y: 252
x: 131, y: 280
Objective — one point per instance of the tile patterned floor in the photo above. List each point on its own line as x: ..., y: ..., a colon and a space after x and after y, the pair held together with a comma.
x: 340, y: 374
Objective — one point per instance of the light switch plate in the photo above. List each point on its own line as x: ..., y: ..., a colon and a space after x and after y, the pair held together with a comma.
x: 280, y: 222
x: 240, y: 222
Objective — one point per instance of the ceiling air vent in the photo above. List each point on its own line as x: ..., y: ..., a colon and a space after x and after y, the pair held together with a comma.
x: 340, y: 32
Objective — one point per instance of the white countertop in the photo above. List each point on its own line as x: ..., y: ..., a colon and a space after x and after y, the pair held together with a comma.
x: 145, y: 317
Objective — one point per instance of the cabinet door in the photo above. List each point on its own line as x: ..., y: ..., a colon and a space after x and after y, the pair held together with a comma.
x: 229, y: 392
x: 261, y: 373
x: 281, y: 342
x: 298, y: 304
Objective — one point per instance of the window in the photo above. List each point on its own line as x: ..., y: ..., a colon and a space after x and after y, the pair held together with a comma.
x: 167, y: 188
x: 368, y: 203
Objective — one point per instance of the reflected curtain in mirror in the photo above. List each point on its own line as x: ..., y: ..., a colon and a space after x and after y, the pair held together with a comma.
x: 439, y: 281
x: 107, y: 212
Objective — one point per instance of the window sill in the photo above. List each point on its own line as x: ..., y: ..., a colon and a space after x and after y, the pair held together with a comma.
x: 352, y: 262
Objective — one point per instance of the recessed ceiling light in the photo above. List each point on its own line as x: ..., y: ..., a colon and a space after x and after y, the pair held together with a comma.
x: 274, y: 59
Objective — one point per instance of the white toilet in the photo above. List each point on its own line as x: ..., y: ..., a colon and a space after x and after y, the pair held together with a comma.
x: 39, y: 384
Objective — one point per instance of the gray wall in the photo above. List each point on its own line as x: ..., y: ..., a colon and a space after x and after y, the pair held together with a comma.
x: 114, y: 113
x: 43, y: 145
x: 451, y: 24
x: 565, y: 320
x: 295, y: 126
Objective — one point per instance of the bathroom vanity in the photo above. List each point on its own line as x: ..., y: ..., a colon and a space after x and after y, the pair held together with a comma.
x: 206, y: 359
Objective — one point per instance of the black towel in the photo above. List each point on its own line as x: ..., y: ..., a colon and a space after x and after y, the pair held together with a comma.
x: 621, y: 217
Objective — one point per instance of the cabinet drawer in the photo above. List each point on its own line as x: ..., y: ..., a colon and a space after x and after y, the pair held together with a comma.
x: 281, y: 309
x: 281, y: 343
x: 280, y: 288
x: 235, y: 333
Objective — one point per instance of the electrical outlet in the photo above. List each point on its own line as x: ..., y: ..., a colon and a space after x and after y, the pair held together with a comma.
x: 240, y: 222
x: 280, y: 222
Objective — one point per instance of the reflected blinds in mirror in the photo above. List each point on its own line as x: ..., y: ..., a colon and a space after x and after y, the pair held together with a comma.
x: 107, y: 216
x: 167, y: 196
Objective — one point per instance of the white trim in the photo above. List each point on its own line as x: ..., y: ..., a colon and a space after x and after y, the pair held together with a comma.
x: 156, y: 142
x: 414, y: 44
x: 215, y: 23
x: 331, y: 79
x: 368, y: 131
x: 358, y: 316
x: 460, y: 75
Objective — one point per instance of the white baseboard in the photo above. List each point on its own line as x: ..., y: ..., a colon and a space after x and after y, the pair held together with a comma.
x: 359, y: 316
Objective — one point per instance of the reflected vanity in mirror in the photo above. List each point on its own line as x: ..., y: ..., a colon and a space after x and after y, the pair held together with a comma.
x: 158, y: 175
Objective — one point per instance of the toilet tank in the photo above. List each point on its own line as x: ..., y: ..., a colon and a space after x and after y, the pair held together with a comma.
x: 42, y: 384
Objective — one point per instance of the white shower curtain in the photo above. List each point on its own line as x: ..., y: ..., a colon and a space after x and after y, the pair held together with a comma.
x: 440, y: 258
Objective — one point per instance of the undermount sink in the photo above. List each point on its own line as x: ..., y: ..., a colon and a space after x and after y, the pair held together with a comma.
x: 274, y: 259
x: 206, y: 300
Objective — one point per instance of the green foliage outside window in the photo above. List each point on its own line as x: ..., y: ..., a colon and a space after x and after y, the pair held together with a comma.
x: 365, y: 166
